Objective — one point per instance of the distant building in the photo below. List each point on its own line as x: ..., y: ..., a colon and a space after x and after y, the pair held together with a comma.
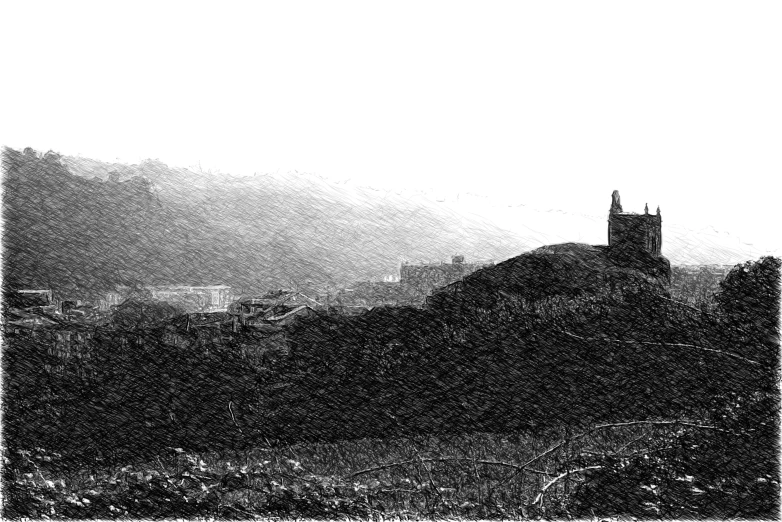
x: 34, y: 301
x: 277, y: 308
x: 636, y: 231
x: 191, y: 299
x: 416, y: 282
x: 16, y: 317
x: 76, y: 311
x: 31, y: 309
x: 45, y: 297
x: 420, y: 280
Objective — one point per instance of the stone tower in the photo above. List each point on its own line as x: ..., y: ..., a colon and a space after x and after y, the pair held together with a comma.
x: 635, y: 231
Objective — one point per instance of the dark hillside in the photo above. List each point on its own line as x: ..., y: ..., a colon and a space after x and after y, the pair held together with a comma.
x: 563, y: 363
x: 568, y: 270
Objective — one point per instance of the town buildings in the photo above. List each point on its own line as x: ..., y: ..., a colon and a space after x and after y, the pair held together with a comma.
x: 190, y: 299
x: 416, y: 282
x: 276, y: 308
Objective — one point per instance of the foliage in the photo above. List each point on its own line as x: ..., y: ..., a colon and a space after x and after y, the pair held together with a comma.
x: 515, y: 367
x: 732, y: 470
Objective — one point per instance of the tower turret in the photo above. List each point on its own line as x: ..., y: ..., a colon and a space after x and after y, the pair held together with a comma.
x: 616, y: 205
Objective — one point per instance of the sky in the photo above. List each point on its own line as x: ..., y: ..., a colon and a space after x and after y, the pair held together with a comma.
x: 516, y: 111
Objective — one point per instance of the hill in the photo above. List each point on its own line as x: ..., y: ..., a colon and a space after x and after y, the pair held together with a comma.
x: 81, y: 227
x: 567, y: 270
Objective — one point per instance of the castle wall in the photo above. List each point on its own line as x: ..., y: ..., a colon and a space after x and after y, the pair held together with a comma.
x: 638, y: 231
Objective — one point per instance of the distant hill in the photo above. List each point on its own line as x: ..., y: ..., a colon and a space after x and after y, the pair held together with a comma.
x: 81, y: 227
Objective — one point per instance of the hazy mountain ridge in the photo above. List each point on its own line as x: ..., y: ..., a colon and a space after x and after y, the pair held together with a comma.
x: 98, y: 224
x: 153, y: 224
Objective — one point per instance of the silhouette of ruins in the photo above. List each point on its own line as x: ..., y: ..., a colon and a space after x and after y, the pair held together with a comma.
x: 634, y: 231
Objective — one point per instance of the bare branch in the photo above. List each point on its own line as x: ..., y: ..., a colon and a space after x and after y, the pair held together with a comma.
x: 681, y: 345
x: 556, y: 479
x: 616, y: 425
x: 680, y: 303
x: 233, y: 417
x: 448, y: 459
x: 624, y: 446
x: 526, y: 466
x: 691, y: 424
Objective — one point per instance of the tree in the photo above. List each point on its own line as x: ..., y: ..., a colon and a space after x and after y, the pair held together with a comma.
x: 730, y: 470
x: 748, y: 305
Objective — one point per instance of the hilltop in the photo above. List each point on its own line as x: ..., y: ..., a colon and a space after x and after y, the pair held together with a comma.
x: 565, y: 270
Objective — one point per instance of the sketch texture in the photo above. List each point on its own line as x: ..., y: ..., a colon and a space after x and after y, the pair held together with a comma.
x: 390, y: 261
x: 180, y: 346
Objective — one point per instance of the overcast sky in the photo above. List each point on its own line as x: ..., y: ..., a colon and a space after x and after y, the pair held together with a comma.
x: 549, y: 105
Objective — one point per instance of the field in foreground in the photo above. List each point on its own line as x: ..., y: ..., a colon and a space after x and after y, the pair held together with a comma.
x: 470, y: 476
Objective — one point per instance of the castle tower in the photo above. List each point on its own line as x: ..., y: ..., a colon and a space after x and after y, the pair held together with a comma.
x: 635, y: 231
x: 616, y: 205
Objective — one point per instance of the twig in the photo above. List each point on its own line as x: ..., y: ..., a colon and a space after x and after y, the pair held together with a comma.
x: 682, y: 345
x: 615, y: 425
x: 444, y: 459
x: 431, y: 481
x: 623, y: 446
x: 233, y: 417
x: 689, y: 423
x: 556, y: 479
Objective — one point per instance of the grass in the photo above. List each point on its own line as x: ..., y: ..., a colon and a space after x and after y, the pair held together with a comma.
x: 470, y: 476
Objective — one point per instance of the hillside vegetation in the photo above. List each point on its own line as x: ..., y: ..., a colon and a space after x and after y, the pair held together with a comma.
x: 617, y: 401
